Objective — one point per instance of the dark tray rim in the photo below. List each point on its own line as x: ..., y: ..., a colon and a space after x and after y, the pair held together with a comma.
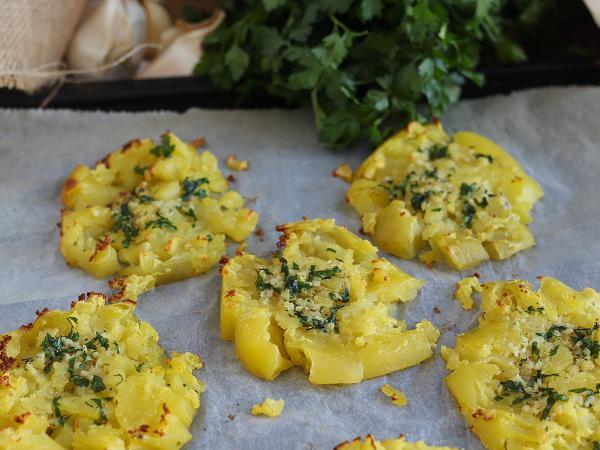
x: 182, y: 93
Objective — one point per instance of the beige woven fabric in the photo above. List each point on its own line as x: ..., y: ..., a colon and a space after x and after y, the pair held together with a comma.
x: 34, y: 33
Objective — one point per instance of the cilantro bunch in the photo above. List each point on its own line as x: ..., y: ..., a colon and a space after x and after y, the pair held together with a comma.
x: 363, y: 65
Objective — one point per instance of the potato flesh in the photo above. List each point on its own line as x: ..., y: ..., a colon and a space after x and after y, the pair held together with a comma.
x: 502, y: 350
x: 178, y: 234
x: 367, y: 342
x: 149, y: 401
x: 465, y: 197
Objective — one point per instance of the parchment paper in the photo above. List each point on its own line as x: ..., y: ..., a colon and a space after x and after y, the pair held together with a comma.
x: 555, y: 133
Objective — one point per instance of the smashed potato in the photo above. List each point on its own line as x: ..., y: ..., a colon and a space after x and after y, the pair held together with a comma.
x: 370, y: 443
x: 464, y: 198
x: 269, y: 408
x: 528, y: 377
x: 94, y: 378
x: 396, y: 396
x: 151, y: 209
x: 322, y: 302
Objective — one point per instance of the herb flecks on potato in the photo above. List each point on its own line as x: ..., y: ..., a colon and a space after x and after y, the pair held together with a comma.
x: 370, y: 443
x: 322, y: 302
x: 464, y: 198
x: 94, y: 378
x: 161, y: 210
x: 529, y: 375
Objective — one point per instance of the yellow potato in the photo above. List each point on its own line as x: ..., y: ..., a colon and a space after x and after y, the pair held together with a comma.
x: 161, y: 210
x: 94, y: 378
x: 464, y: 197
x: 324, y: 302
x: 269, y: 408
x: 370, y: 443
x: 528, y: 376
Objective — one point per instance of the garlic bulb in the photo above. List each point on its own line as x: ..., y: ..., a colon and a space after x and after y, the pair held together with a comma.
x: 181, y: 48
x: 112, y: 28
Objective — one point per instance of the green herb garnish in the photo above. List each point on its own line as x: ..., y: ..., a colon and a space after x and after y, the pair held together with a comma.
x: 161, y: 222
x: 189, y: 212
x: 124, y: 222
x: 101, y: 413
x: 418, y: 198
x: 260, y: 282
x: 140, y: 170
x: 56, y: 407
x: 467, y: 189
x: 164, y: 149
x: 551, y: 398
x: 468, y: 215
x: 438, y: 152
x: 97, y: 384
x: 192, y: 187
x: 323, y: 274
x: 361, y: 64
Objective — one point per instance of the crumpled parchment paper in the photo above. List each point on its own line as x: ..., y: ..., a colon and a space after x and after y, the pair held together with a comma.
x: 554, y: 133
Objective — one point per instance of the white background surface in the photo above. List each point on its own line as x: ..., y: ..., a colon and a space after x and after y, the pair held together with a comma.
x: 554, y: 133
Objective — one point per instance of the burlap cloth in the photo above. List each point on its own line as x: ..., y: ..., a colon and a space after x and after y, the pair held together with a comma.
x: 33, y: 37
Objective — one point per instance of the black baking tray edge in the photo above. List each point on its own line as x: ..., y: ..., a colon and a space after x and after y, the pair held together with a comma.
x: 180, y: 94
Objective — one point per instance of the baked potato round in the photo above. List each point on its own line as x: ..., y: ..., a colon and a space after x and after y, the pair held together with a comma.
x: 528, y: 377
x: 323, y: 302
x: 160, y: 210
x: 459, y: 200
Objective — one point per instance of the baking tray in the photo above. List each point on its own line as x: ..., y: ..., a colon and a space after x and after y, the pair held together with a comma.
x: 182, y: 93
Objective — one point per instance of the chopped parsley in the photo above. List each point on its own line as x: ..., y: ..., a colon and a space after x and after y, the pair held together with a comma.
x: 296, y: 295
x: 323, y: 274
x: 467, y: 189
x: 583, y: 337
x: 535, y: 350
x: 260, y: 282
x: 552, y: 332
x: 99, y: 339
x: 394, y: 190
x: 56, y: 408
x: 161, y: 222
x: 192, y: 187
x: 101, y: 413
x: 532, y: 309
x: 143, y: 198
x: 320, y: 324
x: 511, y: 387
x: 468, y: 215
x: 140, y: 170
x: 164, y: 149
x: 97, y: 384
x: 438, y: 152
x: 431, y: 173
x: 124, y: 222
x: 189, y: 212
x: 332, y: 250
x: 552, y: 397
x: 418, y: 198
x: 54, y: 350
